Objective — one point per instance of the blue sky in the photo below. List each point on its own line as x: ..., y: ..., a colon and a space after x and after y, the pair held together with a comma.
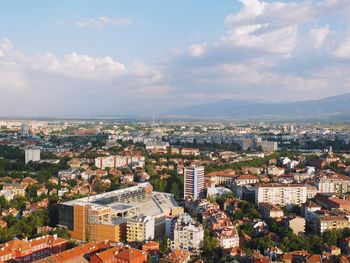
x: 37, y: 26
x: 84, y: 58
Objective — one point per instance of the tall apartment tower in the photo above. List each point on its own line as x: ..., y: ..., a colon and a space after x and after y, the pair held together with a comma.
x: 193, y: 182
x: 32, y: 154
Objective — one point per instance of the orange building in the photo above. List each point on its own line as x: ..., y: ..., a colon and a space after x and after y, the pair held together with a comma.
x: 77, y: 253
x: 118, y: 255
x: 34, y: 249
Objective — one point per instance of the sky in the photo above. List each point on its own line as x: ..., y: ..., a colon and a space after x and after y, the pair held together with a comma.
x: 84, y: 58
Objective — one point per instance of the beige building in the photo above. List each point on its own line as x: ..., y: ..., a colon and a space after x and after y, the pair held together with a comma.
x: 281, y: 194
x: 140, y: 229
x: 334, y: 183
x: 297, y: 224
x: 16, y: 189
x: 270, y: 211
x: 324, y: 223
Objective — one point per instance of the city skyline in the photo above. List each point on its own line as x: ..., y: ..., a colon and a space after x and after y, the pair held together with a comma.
x: 130, y: 58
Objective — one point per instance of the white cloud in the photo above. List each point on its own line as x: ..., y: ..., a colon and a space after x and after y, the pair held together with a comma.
x: 80, y: 66
x: 281, y: 40
x: 343, y: 50
x: 318, y: 36
x: 102, y: 22
x: 6, y: 44
x: 197, y: 50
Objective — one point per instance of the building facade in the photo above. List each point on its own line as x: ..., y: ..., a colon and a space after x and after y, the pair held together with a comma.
x: 193, y: 182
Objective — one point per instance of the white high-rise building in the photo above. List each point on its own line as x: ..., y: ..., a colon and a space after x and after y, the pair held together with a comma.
x: 193, y: 182
x: 32, y: 154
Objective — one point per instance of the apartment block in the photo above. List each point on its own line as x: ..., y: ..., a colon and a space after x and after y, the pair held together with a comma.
x: 333, y: 183
x: 188, y: 234
x: 281, y: 194
x: 140, y: 229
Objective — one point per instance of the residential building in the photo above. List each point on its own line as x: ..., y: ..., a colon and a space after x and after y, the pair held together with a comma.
x: 15, y: 188
x: 329, y: 222
x: 193, y: 182
x: 268, y: 146
x: 32, y: 155
x: 246, y: 179
x: 188, y: 234
x: 116, y: 161
x: 268, y: 210
x: 177, y: 256
x: 31, y: 250
x: 76, y: 254
x: 225, y: 177
x: 140, y: 229
x: 296, y: 223
x: 333, y: 183
x: 190, y: 151
x: 228, y: 237
x: 281, y: 194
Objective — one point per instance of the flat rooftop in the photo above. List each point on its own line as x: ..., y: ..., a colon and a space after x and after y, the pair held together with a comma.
x: 155, y: 205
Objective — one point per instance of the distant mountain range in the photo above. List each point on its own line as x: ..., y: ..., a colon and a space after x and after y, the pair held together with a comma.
x: 335, y: 108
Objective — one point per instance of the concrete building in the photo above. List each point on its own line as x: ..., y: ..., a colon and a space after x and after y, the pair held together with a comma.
x: 228, y: 237
x: 32, y: 154
x: 329, y: 222
x: 116, y: 161
x: 140, y: 229
x: 110, y: 215
x: 296, y: 223
x: 333, y: 183
x: 188, y: 234
x: 225, y: 177
x: 281, y: 194
x: 193, y: 182
x: 268, y: 210
x: 268, y: 146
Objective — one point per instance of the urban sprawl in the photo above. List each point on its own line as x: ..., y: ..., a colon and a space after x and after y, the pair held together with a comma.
x: 174, y: 191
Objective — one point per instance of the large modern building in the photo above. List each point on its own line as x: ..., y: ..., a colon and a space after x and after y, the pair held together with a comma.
x: 32, y: 154
x: 119, y: 215
x: 193, y: 182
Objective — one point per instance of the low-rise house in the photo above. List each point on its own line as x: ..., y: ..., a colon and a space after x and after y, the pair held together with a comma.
x: 177, y: 256
x: 246, y: 179
x: 190, y: 151
x: 16, y: 188
x: 227, y: 237
x: 152, y: 248
x: 269, y: 210
x: 333, y: 250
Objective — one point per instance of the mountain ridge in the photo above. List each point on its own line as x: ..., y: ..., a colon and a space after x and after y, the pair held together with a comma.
x: 239, y: 109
